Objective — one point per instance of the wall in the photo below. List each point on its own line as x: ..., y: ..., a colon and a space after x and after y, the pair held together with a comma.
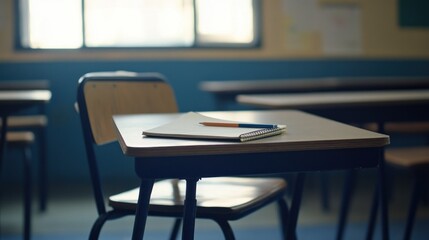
x: 381, y: 35
x: 184, y: 69
x: 66, y: 152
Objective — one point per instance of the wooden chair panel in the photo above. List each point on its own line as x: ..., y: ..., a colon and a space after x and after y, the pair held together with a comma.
x: 24, y: 137
x: 105, y: 99
x: 402, y: 127
x: 408, y: 156
x: 27, y: 121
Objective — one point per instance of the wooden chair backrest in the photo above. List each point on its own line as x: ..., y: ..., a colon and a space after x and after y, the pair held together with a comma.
x: 105, y: 98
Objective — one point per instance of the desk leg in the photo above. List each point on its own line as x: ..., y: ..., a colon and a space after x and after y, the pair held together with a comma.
x: 383, y: 189
x: 2, y: 139
x: 383, y: 198
x: 296, y: 203
x: 142, y: 208
x: 190, y: 209
x: 348, y: 190
x: 43, y: 174
x: 27, y: 193
x: 380, y: 199
x: 3, y: 131
x: 373, y: 214
x: 414, y: 201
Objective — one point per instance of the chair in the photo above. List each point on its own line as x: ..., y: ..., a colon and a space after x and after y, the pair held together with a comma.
x: 102, y: 95
x: 24, y: 140
x: 36, y: 123
x: 416, y: 160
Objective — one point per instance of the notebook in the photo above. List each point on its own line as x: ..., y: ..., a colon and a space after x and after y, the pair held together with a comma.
x: 188, y: 126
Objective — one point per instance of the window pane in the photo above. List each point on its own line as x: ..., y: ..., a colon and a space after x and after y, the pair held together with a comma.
x: 225, y: 21
x: 137, y: 23
x: 53, y: 24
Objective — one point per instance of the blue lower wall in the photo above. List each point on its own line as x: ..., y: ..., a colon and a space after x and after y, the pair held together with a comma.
x: 66, y: 150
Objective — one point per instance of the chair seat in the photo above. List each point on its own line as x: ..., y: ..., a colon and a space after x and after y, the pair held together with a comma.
x: 22, y: 137
x: 408, y: 127
x: 27, y: 121
x: 408, y: 156
x: 226, y: 197
x: 402, y: 127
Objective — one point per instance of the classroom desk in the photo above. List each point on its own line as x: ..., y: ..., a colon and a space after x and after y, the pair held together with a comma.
x: 36, y: 84
x: 37, y: 121
x: 306, y: 136
x: 352, y: 107
x: 12, y: 101
x: 226, y: 91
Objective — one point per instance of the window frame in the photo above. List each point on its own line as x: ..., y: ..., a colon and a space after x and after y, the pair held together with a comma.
x: 256, y: 43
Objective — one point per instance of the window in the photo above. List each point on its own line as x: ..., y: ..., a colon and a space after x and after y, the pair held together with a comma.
x: 74, y: 24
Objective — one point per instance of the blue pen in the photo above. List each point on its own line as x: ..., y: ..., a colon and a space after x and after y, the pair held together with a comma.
x: 243, y: 125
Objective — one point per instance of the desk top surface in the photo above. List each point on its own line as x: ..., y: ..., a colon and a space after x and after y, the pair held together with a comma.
x: 336, y: 99
x: 24, y: 96
x: 314, y: 84
x: 304, y: 132
x: 35, y: 84
x: 15, y: 100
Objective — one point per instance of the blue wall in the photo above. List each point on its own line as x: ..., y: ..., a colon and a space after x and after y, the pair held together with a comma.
x: 66, y: 151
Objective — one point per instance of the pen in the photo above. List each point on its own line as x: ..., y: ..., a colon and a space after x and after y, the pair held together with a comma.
x: 242, y: 125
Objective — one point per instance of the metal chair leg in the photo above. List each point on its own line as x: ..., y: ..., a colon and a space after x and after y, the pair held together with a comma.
x: 348, y: 190
x: 226, y: 229
x: 103, y: 218
x: 96, y: 227
x: 27, y: 193
x: 384, y: 213
x: 324, y: 188
x: 284, y: 215
x: 43, y: 174
x: 373, y: 214
x: 176, y: 227
x: 294, y: 211
x: 415, y: 197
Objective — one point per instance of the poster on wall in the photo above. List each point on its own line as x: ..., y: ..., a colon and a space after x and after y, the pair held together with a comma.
x: 301, y: 21
x: 318, y: 28
x: 341, y: 29
x: 2, y: 14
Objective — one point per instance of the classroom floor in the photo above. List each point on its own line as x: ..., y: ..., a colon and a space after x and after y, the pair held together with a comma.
x: 71, y: 211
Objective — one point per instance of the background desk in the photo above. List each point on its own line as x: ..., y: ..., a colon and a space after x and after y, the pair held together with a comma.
x: 307, y: 136
x: 14, y: 101
x: 36, y: 122
x: 352, y: 107
x: 226, y: 91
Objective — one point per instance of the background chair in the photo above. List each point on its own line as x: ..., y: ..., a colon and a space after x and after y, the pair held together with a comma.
x: 102, y: 95
x: 37, y: 122
x: 23, y: 140
x: 414, y: 159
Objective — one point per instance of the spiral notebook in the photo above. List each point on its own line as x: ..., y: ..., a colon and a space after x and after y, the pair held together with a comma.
x: 188, y: 126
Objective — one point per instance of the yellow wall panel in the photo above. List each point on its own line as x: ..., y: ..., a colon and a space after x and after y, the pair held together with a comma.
x: 381, y: 38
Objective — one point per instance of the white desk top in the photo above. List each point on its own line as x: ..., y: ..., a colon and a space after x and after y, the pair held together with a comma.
x: 304, y: 132
x: 23, y: 96
x: 335, y: 99
x: 313, y: 84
